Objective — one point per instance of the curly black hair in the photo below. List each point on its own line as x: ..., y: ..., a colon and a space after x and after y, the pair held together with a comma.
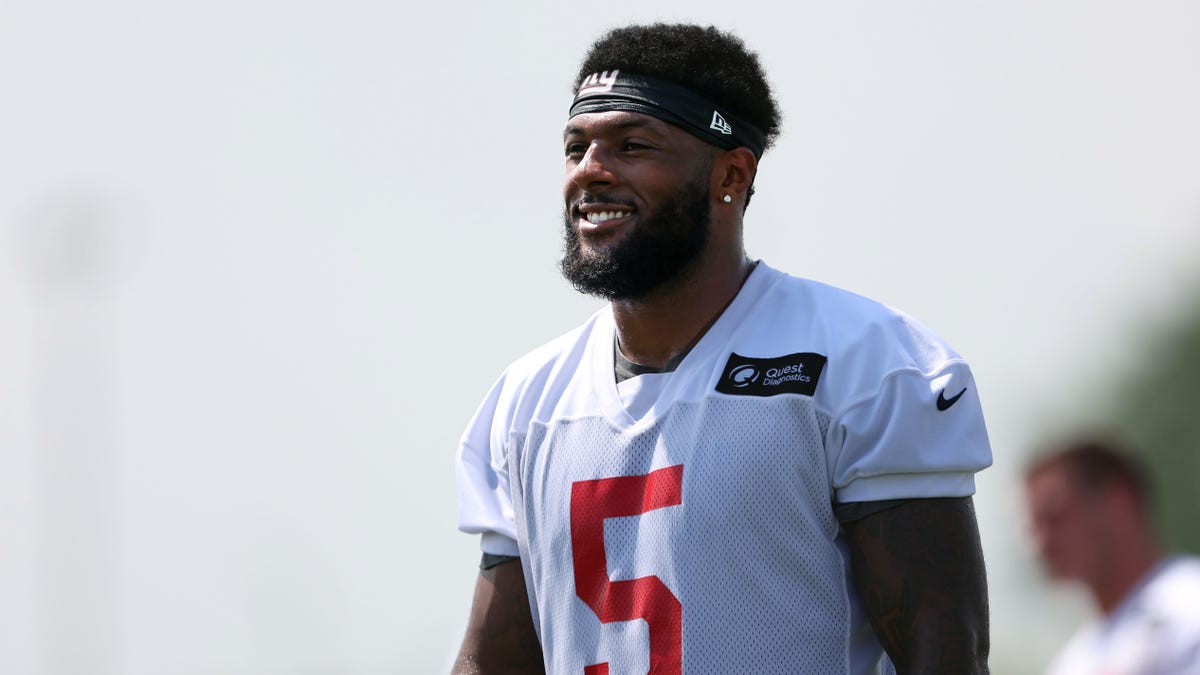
x: 707, y: 60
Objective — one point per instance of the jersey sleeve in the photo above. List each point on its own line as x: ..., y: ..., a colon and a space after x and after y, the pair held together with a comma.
x: 919, y: 434
x: 484, y: 500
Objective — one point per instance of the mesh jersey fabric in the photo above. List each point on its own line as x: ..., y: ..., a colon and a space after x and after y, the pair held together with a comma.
x: 699, y: 534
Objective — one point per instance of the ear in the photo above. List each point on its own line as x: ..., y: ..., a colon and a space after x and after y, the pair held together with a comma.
x: 733, y: 174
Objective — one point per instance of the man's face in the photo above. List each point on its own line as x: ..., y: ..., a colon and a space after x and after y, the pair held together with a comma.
x: 1068, y: 524
x: 637, y: 199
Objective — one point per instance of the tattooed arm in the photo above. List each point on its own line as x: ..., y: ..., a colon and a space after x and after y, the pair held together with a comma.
x: 919, y: 569
x: 500, y: 635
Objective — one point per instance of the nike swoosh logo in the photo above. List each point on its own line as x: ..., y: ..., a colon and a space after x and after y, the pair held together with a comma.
x: 944, y: 403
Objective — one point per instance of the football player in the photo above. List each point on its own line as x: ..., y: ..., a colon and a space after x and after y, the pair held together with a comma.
x: 727, y: 469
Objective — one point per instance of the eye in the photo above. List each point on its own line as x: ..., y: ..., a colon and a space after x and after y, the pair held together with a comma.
x: 576, y: 149
x: 633, y: 146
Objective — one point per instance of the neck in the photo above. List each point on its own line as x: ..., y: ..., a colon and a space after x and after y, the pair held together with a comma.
x: 1126, y: 571
x: 653, y: 328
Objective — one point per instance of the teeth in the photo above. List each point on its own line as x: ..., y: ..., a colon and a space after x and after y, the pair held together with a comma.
x: 597, y: 217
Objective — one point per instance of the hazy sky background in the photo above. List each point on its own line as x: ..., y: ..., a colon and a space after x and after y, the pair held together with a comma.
x: 259, y: 262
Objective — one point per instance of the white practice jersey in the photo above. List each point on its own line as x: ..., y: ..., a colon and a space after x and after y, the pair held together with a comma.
x: 1154, y: 631
x: 697, y: 533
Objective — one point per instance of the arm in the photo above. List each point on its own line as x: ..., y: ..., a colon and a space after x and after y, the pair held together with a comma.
x: 500, y: 636
x: 919, y: 569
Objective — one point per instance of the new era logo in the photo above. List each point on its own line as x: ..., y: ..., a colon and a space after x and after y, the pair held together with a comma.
x: 598, y: 83
x: 719, y: 124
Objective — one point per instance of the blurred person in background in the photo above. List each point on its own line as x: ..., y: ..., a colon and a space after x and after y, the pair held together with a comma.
x: 1091, y: 505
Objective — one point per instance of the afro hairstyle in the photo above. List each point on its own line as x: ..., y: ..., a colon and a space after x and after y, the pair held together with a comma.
x: 709, y: 61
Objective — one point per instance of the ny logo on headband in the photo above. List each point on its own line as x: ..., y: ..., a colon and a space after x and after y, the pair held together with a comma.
x: 718, y: 122
x: 598, y: 83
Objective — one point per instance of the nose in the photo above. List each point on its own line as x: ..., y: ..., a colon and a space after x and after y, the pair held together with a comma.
x: 1041, y: 538
x: 592, y: 170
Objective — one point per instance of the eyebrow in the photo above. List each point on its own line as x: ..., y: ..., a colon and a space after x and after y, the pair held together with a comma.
x: 627, y: 124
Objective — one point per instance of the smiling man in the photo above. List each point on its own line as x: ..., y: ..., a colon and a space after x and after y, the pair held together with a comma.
x: 727, y: 469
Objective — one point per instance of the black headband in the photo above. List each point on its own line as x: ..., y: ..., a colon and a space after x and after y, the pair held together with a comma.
x: 669, y: 102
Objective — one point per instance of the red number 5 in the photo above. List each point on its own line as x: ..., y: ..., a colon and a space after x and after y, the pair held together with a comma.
x: 643, y: 598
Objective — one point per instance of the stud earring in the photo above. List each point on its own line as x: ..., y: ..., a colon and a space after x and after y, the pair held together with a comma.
x: 727, y: 199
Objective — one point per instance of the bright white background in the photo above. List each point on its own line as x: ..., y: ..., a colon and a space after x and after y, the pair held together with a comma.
x: 260, y: 260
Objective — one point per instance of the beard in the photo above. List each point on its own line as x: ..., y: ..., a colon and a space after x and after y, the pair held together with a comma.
x: 655, y: 252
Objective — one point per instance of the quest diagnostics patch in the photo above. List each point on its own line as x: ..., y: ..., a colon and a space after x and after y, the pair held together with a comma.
x: 791, y: 374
